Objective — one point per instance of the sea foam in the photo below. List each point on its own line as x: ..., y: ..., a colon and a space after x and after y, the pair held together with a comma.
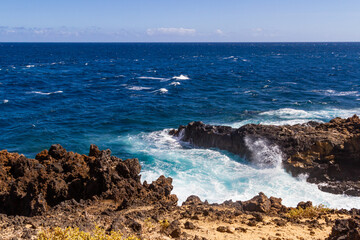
x: 181, y: 77
x: 331, y: 92
x: 218, y: 176
x: 138, y: 88
x: 292, y: 116
x: 175, y: 83
x: 154, y: 78
x: 45, y: 93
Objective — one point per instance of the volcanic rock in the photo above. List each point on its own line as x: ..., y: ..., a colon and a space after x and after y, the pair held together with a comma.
x: 32, y: 186
x: 259, y: 203
x: 329, y: 153
x: 346, y: 229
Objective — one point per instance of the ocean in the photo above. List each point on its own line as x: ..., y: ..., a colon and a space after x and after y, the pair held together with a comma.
x: 126, y: 96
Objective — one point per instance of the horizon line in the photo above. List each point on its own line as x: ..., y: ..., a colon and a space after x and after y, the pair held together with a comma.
x: 185, y: 42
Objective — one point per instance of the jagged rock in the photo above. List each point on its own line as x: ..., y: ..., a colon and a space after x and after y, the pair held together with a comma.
x: 259, y: 203
x: 348, y: 229
x: 328, y: 152
x: 304, y: 205
x: 189, y: 225
x: 192, y: 200
x: 32, y: 186
x: 276, y: 205
x: 174, y: 229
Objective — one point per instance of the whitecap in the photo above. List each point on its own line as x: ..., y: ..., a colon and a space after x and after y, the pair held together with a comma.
x: 154, y: 78
x: 175, y: 83
x: 331, y: 92
x: 86, y: 64
x: 30, y: 66
x: 45, y: 93
x: 181, y: 77
x: 290, y: 116
x: 329, y: 113
x: 5, y: 101
x: 228, y: 57
x: 138, y: 88
x: 163, y: 90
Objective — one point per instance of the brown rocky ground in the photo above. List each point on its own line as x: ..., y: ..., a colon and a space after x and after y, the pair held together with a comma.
x: 66, y: 189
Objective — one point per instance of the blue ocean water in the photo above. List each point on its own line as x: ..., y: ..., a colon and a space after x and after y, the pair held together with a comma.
x: 125, y: 96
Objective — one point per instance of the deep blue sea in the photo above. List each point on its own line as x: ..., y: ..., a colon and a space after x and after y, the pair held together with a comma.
x: 125, y: 96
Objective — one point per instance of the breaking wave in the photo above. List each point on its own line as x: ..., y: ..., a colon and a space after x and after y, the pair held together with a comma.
x: 45, y: 93
x: 181, y: 77
x: 292, y: 116
x: 218, y: 175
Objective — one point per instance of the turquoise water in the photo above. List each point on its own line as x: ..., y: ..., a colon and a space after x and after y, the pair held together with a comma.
x: 126, y: 96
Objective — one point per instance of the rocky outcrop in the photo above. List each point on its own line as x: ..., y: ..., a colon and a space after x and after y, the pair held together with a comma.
x: 346, y: 229
x: 329, y: 153
x: 32, y: 186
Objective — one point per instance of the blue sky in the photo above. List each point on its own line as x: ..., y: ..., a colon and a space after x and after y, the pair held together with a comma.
x: 184, y: 21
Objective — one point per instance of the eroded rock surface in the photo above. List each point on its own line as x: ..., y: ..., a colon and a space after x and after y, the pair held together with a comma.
x: 346, y: 229
x: 31, y: 187
x: 329, y: 153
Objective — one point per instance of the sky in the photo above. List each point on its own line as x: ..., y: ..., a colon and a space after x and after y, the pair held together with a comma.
x: 179, y: 21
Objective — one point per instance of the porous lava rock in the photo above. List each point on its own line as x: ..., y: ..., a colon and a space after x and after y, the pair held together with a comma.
x: 328, y: 153
x: 346, y: 229
x: 30, y: 187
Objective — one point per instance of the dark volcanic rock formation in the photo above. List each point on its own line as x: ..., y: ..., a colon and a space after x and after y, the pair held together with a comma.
x: 32, y: 186
x: 346, y: 229
x: 329, y: 153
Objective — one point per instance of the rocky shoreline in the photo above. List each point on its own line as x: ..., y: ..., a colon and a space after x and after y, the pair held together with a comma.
x: 65, y: 189
x: 328, y: 153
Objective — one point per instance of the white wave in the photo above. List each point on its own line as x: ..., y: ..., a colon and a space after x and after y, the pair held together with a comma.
x: 45, y: 93
x: 138, y: 88
x: 5, y: 101
x: 289, y: 113
x: 181, y: 77
x: 263, y: 154
x: 175, y: 83
x: 289, y: 116
x: 155, y: 78
x: 86, y: 64
x: 331, y: 92
x: 217, y: 176
x: 163, y: 90
x: 228, y: 57
x: 30, y: 66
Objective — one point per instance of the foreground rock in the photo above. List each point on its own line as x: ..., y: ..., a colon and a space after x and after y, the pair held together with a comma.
x: 346, y: 229
x: 65, y: 189
x: 31, y: 187
x: 329, y: 153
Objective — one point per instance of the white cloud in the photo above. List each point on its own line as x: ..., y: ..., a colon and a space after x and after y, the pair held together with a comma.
x: 219, y: 32
x: 171, y: 31
x: 258, y: 30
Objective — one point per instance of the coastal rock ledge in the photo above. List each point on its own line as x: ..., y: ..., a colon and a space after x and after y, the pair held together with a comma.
x: 328, y: 153
x: 30, y: 187
x: 60, y: 193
